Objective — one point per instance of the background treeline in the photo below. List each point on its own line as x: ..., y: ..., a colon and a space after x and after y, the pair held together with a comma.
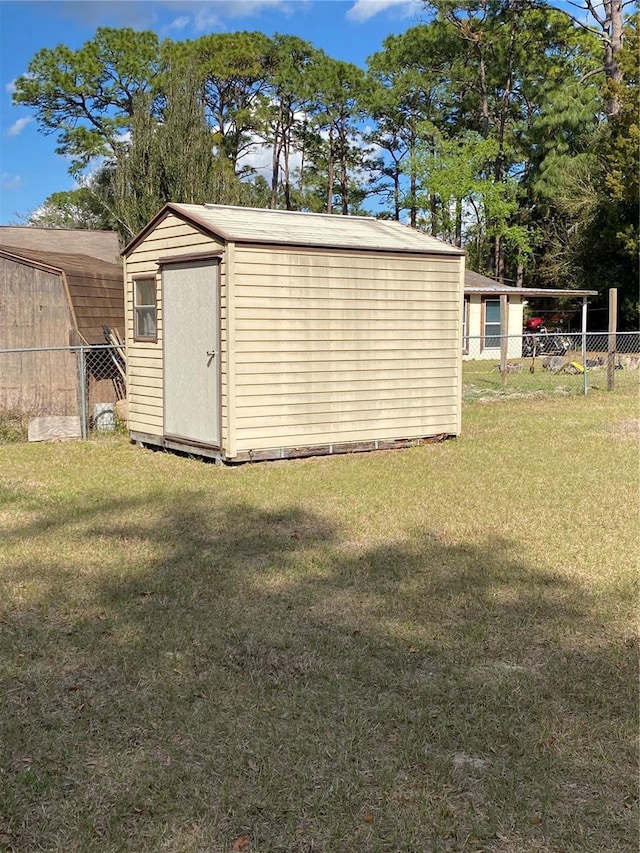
x: 506, y: 127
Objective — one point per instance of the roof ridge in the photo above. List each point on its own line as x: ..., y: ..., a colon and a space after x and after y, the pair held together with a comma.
x: 212, y: 206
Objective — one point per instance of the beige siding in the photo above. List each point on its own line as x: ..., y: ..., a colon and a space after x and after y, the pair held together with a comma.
x: 339, y: 346
x: 170, y: 238
x: 515, y: 313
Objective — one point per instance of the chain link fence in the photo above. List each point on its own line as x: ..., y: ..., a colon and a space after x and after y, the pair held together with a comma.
x: 556, y: 362
x: 79, y: 391
x: 60, y: 392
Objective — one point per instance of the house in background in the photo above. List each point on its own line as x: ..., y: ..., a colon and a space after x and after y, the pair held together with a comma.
x: 57, y: 288
x: 482, y: 319
x: 262, y: 334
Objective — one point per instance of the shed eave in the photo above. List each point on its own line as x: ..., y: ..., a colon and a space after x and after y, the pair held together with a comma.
x: 398, y: 250
x: 29, y: 262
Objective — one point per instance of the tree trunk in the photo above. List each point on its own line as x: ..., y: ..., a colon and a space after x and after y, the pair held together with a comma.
x: 344, y: 179
x: 302, y: 153
x: 287, y: 174
x: 396, y: 193
x: 275, y: 168
x: 613, y: 38
x: 458, y: 237
x: 330, y: 176
x: 433, y: 209
x: 484, y: 94
x: 413, y: 210
x: 499, y: 260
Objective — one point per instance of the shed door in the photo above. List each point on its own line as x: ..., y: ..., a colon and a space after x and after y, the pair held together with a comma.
x: 191, y: 334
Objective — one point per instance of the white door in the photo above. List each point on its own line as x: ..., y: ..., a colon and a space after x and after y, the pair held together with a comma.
x: 191, y: 334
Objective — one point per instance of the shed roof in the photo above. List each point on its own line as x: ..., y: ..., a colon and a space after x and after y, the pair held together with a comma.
x: 295, y: 228
x: 94, y: 287
x: 77, y: 241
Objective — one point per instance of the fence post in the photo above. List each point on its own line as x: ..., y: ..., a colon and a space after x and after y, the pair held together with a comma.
x: 611, y: 342
x: 82, y: 378
x: 585, y: 383
x: 504, y: 340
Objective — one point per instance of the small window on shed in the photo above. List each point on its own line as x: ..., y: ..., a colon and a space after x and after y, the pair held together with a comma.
x: 144, y: 309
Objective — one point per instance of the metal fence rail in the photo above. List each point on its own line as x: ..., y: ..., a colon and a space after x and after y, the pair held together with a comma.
x: 60, y: 392
x: 552, y: 343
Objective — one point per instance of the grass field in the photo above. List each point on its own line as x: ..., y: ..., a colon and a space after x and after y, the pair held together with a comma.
x: 421, y: 650
x: 482, y: 379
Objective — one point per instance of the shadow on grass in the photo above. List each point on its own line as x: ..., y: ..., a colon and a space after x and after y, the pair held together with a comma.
x: 180, y: 673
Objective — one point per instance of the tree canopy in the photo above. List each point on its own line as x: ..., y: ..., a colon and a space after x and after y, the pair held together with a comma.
x: 509, y: 127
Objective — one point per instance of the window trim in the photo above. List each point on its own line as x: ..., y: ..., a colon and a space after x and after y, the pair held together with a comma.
x: 466, y: 303
x: 484, y: 335
x: 145, y: 339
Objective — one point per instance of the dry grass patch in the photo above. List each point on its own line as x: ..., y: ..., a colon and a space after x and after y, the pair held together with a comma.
x: 626, y: 430
x: 432, y: 649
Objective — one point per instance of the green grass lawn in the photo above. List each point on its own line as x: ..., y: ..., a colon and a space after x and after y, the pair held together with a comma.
x: 482, y: 380
x: 421, y: 650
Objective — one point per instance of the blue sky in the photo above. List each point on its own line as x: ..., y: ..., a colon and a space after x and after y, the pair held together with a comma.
x: 29, y: 168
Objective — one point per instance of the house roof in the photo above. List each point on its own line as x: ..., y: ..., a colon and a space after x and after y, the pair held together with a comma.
x: 94, y: 287
x: 76, y: 241
x: 476, y: 283
x: 295, y: 228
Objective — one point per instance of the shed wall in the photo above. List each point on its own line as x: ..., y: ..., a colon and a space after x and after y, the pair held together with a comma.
x: 342, y: 346
x: 170, y: 238
x: 34, y: 312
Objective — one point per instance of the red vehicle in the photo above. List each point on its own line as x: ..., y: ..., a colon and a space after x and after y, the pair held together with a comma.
x: 535, y: 324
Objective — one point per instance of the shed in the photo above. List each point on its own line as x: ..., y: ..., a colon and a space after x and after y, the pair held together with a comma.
x: 260, y: 334
x: 50, y: 300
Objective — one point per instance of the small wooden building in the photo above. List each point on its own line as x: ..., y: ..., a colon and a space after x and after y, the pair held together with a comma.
x: 53, y: 299
x: 261, y: 334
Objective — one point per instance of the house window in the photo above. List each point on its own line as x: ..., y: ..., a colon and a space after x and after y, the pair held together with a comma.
x: 465, y: 325
x: 144, y: 309
x: 492, y: 324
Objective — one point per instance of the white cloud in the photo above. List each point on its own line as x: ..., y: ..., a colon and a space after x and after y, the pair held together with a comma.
x: 363, y: 10
x: 10, y: 88
x: 213, y: 14
x: 180, y: 23
x: 142, y: 14
x: 259, y: 158
x: 18, y: 126
x: 205, y: 19
x: 10, y: 182
x: 246, y: 8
